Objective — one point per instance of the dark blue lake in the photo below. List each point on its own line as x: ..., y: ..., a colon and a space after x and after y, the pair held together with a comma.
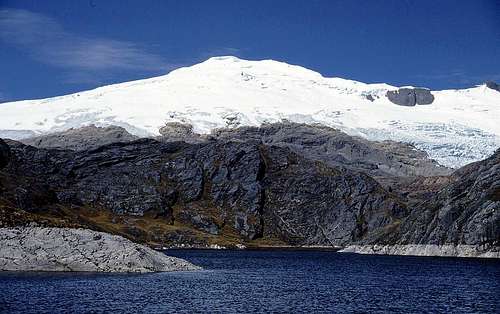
x: 268, y: 281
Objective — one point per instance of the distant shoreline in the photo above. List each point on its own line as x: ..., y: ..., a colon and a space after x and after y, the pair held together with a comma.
x: 462, y: 251
x: 257, y: 248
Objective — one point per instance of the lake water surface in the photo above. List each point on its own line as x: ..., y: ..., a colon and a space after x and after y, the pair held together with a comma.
x: 267, y: 281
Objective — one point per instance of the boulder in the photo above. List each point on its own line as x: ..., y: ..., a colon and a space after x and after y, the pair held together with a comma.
x: 423, y: 96
x: 410, y: 96
x: 402, y: 97
x: 369, y: 97
x: 176, y: 130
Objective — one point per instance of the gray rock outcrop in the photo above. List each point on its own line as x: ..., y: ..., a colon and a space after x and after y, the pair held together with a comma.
x: 459, y: 250
x: 410, y: 96
x: 87, y: 137
x: 369, y: 97
x: 176, y: 130
x: 336, y: 148
x: 64, y: 249
x: 314, y: 141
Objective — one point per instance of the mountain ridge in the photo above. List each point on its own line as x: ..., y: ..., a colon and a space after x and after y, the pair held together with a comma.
x: 457, y: 127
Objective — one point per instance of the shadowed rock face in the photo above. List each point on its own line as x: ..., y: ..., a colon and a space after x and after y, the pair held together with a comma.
x: 308, y: 202
x: 410, y: 96
x: 245, y: 188
x: 81, y: 138
x: 4, y: 154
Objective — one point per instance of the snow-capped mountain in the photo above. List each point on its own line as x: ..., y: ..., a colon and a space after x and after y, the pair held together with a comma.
x: 458, y: 127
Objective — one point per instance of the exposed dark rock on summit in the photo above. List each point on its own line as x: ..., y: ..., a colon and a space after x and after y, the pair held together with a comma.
x: 369, y: 97
x: 493, y: 85
x: 410, y: 96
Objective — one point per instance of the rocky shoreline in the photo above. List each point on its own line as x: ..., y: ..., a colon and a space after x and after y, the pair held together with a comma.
x: 428, y: 250
x: 82, y: 250
x: 424, y: 250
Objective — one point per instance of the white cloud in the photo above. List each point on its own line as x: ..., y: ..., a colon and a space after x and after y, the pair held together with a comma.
x: 221, y: 51
x: 47, y: 41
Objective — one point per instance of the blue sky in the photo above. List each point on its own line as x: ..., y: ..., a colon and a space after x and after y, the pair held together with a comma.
x: 50, y: 48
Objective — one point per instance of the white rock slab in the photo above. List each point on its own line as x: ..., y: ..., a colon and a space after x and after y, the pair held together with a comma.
x: 65, y: 249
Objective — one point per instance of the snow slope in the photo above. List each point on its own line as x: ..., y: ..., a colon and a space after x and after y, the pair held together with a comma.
x: 459, y: 127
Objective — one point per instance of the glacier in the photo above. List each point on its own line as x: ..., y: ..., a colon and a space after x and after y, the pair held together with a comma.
x: 459, y: 127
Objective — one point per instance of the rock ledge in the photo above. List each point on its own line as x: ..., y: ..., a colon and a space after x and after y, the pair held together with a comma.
x: 425, y: 250
x: 65, y: 249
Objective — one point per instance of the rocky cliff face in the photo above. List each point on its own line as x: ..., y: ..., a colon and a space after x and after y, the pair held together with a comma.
x: 310, y: 203
x: 464, y: 213
x: 335, y: 148
x: 278, y: 184
x: 242, y: 188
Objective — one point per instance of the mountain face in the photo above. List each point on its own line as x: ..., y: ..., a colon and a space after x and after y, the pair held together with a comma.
x: 278, y: 184
x: 242, y: 189
x: 465, y: 211
x: 336, y: 148
x: 462, y: 218
x: 454, y: 127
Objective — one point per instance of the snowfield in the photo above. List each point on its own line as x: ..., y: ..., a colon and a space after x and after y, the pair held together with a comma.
x: 459, y: 127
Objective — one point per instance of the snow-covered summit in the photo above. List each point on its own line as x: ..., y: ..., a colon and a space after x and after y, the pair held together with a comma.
x: 460, y: 126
